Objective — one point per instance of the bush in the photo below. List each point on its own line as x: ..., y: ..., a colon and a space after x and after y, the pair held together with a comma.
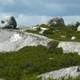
x: 52, y: 44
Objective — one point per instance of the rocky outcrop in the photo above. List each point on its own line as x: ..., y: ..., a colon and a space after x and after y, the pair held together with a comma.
x: 62, y: 73
x: 13, y: 40
x: 70, y: 47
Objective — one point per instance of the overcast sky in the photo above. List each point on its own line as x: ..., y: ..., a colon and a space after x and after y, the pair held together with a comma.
x: 29, y: 12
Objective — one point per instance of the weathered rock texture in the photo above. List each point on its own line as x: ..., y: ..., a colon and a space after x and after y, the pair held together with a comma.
x: 56, y: 20
x: 62, y: 73
x: 70, y: 47
x: 9, y: 22
x: 13, y: 40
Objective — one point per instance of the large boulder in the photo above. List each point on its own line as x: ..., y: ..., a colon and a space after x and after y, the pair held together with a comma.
x: 13, y: 40
x: 56, y: 20
x: 70, y: 47
x: 9, y: 22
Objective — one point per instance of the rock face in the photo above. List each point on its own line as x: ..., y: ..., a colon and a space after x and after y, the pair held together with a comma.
x: 56, y: 20
x: 13, y: 40
x: 70, y: 47
x: 62, y: 73
x: 9, y: 22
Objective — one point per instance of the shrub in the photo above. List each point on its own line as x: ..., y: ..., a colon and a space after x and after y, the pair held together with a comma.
x: 52, y: 44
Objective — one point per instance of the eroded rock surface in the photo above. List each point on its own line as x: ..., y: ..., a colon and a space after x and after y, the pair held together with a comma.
x: 12, y: 40
x: 56, y: 20
x: 62, y: 73
x: 9, y: 22
x: 70, y: 47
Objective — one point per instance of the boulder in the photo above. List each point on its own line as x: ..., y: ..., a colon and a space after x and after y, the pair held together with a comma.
x: 56, y: 20
x: 65, y: 73
x: 9, y: 22
x: 69, y: 47
x: 13, y: 40
x: 73, y: 38
x: 78, y: 28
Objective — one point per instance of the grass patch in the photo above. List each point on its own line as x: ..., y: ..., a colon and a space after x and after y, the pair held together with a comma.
x: 30, y: 61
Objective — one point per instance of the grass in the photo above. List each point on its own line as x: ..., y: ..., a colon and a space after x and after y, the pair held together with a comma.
x: 31, y: 61
x: 64, y: 32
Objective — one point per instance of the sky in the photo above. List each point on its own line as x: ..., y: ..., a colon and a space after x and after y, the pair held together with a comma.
x: 31, y: 12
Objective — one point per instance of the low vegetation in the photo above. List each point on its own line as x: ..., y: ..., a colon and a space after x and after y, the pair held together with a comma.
x: 60, y: 32
x: 32, y: 61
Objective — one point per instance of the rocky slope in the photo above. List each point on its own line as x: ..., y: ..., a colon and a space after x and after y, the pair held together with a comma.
x: 12, y: 40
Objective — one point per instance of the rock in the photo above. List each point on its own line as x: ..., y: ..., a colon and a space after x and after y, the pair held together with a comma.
x: 13, y: 40
x: 73, y: 38
x: 56, y: 20
x: 78, y: 28
x: 9, y: 22
x: 69, y: 47
x: 62, y: 73
x: 42, y: 30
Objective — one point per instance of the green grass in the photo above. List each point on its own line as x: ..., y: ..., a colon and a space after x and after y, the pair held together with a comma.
x: 31, y: 61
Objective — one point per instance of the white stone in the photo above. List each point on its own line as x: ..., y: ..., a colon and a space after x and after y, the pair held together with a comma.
x: 15, y: 37
x: 69, y: 47
x: 42, y: 30
x: 13, y: 40
x: 78, y: 28
x: 73, y: 38
x: 62, y: 73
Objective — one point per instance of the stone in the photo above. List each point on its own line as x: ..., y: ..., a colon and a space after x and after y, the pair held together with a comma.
x: 73, y: 38
x: 78, y: 28
x: 62, y: 73
x: 42, y: 30
x: 13, y: 40
x: 56, y: 20
x: 9, y: 22
x: 69, y: 47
